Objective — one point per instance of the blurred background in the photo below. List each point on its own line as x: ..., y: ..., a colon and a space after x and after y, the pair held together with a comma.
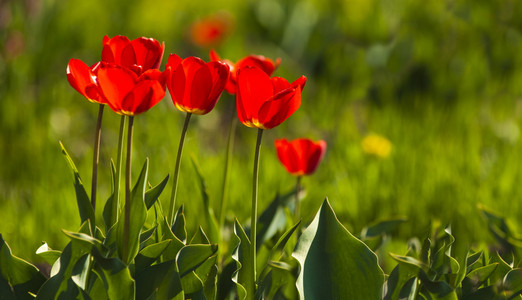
x: 419, y: 101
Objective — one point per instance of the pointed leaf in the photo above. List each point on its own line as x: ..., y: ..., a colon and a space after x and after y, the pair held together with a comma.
x: 152, y: 195
x: 192, y: 256
x: 116, y: 277
x: 178, y: 227
x: 150, y: 254
x: 334, y: 263
x: 241, y: 276
x: 49, y: 255
x: 138, y: 215
x: 111, y: 208
x: 213, y: 231
x: 83, y: 201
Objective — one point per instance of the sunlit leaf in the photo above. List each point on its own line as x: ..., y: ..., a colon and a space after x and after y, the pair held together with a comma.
x: 82, y: 199
x: 242, y: 276
x: 17, y: 274
x: 138, y: 215
x: 49, y: 255
x: 334, y: 264
x: 152, y: 195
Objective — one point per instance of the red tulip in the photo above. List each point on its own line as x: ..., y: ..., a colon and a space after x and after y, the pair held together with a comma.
x: 300, y: 156
x: 139, y: 55
x: 127, y: 93
x: 265, y: 64
x: 211, y: 30
x: 83, y: 79
x: 265, y: 102
x: 195, y: 86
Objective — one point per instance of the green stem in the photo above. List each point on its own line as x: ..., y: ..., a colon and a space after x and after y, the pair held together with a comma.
x: 176, y: 169
x: 126, y: 223
x: 297, y: 202
x: 116, y: 201
x: 96, y: 157
x: 251, y: 286
x: 226, y: 175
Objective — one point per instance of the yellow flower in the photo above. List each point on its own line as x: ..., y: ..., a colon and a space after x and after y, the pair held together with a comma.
x: 376, y: 145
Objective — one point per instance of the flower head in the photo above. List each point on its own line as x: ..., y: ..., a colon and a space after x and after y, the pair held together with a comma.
x: 195, y: 86
x: 83, y: 79
x: 376, y: 145
x: 265, y: 102
x: 300, y: 156
x: 127, y: 93
x: 211, y: 30
x: 265, y: 64
x: 139, y: 55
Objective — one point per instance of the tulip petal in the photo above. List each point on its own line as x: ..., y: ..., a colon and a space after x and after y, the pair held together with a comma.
x: 220, y: 73
x: 146, y: 52
x: 279, y: 108
x: 82, y: 79
x: 254, y: 88
x: 115, y: 83
x: 145, y: 95
x: 200, y: 89
x: 315, y: 155
x: 113, y: 48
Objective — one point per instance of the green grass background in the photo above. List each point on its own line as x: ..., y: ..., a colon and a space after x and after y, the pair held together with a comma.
x: 442, y: 80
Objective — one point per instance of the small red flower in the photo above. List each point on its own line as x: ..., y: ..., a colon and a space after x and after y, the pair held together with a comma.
x: 127, y: 93
x: 139, y: 55
x: 195, y: 86
x: 211, y: 30
x: 83, y: 79
x: 265, y: 64
x: 265, y: 102
x: 300, y: 156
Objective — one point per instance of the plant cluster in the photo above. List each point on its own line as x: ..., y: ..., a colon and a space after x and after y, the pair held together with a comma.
x: 142, y: 251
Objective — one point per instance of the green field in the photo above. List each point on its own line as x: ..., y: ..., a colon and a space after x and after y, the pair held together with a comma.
x: 441, y: 80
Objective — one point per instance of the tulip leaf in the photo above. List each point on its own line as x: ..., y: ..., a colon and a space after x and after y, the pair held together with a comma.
x: 138, y: 215
x: 82, y: 199
x: 116, y: 277
x: 150, y: 254
x: 166, y: 234
x: 242, y: 276
x: 213, y: 231
x: 273, y: 219
x: 380, y: 228
x: 112, y: 207
x: 178, y: 226
x: 513, y: 282
x: 191, y: 257
x: 151, y: 278
x: 152, y: 195
x: 49, y: 255
x: 333, y: 263
x: 17, y: 276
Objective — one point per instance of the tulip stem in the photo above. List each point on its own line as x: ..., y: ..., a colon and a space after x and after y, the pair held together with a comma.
x: 126, y: 223
x: 176, y: 169
x: 297, y: 202
x: 96, y: 157
x: 251, y: 286
x: 116, y: 200
x: 226, y: 175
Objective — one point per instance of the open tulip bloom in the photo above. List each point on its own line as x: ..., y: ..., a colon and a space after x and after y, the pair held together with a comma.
x: 127, y: 93
x: 139, y: 55
x: 195, y: 87
x: 300, y: 156
x: 264, y: 102
x: 265, y: 64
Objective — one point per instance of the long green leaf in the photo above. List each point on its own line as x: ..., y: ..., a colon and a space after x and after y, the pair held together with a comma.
x: 138, y: 215
x: 241, y: 276
x: 335, y: 264
x: 152, y: 195
x: 192, y: 256
x: 82, y: 199
x: 116, y: 277
x: 209, y: 213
